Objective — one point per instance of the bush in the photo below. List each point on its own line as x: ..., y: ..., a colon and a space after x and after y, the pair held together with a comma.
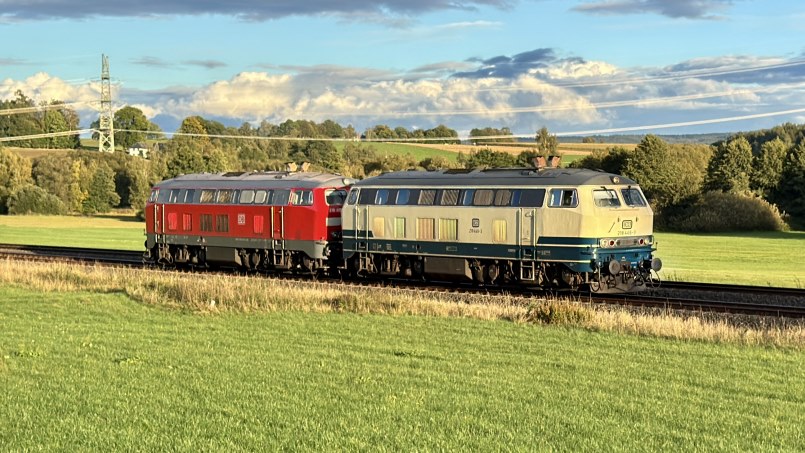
x: 722, y: 212
x: 30, y: 199
x: 561, y: 313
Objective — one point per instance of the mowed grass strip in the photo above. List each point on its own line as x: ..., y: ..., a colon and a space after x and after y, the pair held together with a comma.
x: 751, y: 258
x: 116, y: 232
x: 95, y: 371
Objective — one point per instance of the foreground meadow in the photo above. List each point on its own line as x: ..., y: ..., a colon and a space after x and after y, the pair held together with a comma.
x: 111, y: 359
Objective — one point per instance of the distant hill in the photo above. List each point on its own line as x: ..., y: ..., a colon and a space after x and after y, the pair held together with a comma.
x: 636, y: 138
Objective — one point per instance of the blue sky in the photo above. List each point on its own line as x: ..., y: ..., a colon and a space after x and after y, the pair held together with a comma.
x: 640, y: 66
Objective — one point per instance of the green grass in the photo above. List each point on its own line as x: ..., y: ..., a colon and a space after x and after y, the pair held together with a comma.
x: 118, y: 232
x: 100, y: 372
x: 754, y: 258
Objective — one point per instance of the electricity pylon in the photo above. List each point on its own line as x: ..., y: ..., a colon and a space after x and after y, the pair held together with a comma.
x: 106, y: 132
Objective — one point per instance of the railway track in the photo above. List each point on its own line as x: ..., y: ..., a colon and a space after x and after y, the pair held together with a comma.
x: 675, y: 297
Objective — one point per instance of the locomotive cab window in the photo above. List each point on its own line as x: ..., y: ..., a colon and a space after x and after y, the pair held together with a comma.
x: 153, y: 197
x: 174, y: 196
x: 164, y: 196
x: 531, y: 198
x: 633, y: 197
x: 563, y: 198
x: 302, y: 198
x: 260, y: 196
x: 606, y: 198
x: 186, y: 196
x: 335, y: 197
x: 353, y: 196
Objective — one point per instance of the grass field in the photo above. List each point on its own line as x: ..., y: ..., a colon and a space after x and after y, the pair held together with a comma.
x: 101, y: 372
x: 755, y: 258
x: 119, y: 232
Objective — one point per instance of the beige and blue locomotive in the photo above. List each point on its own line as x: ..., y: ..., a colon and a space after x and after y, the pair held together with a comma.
x: 550, y: 228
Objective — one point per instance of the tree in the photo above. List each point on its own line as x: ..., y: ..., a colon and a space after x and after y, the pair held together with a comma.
x: 130, y: 125
x: 101, y: 195
x: 768, y: 168
x: 30, y: 199
x: 654, y: 168
x: 546, y: 142
x: 52, y: 172
x: 15, y: 172
x: 791, y: 191
x: 486, y: 158
x: 730, y: 167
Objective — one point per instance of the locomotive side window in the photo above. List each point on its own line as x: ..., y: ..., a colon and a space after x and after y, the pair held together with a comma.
x: 260, y: 196
x: 606, y: 198
x: 382, y: 196
x: 466, y: 198
x: 153, y: 197
x: 280, y: 197
x: 483, y: 197
x: 367, y: 196
x: 246, y: 197
x: 532, y: 198
x: 302, y: 198
x: 187, y: 195
x: 403, y: 195
x: 164, y: 196
x: 225, y: 196
x: 632, y: 197
x: 449, y: 197
x: 335, y: 197
x: 503, y: 197
x: 413, y: 197
x: 207, y: 196
x: 427, y: 196
x: 174, y: 196
x: 563, y: 198
x: 353, y: 196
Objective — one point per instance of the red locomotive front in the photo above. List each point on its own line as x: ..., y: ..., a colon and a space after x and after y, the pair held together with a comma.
x: 260, y: 221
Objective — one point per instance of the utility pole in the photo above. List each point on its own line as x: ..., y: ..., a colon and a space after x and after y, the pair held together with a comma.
x: 106, y: 132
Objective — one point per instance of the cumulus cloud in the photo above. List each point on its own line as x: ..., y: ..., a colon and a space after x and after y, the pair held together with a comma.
x: 251, y: 10
x: 689, y: 9
x: 537, y: 88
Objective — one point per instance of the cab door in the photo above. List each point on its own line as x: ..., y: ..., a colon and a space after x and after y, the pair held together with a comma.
x: 527, y: 237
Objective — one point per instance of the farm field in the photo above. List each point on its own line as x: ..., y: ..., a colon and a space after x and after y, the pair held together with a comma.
x: 101, y: 371
x: 118, y: 232
x: 754, y: 258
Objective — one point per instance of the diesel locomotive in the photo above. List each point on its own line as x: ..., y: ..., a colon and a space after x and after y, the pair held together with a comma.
x: 550, y: 227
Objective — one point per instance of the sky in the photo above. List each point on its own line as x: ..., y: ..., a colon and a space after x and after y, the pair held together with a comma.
x: 577, y: 67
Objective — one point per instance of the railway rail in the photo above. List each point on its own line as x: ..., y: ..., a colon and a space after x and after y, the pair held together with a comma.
x: 675, y: 297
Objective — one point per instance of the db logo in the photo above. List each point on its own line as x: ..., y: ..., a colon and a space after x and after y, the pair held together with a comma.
x: 626, y: 224
x: 241, y: 219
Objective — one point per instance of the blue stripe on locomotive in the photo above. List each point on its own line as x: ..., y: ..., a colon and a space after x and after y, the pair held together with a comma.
x: 577, y: 254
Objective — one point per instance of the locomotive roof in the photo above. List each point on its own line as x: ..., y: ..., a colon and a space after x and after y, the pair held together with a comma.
x: 266, y: 180
x: 497, y: 177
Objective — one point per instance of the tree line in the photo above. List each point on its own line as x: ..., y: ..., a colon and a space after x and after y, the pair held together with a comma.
x: 750, y: 180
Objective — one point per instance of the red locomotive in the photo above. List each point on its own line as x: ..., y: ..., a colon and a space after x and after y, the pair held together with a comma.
x: 257, y: 221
